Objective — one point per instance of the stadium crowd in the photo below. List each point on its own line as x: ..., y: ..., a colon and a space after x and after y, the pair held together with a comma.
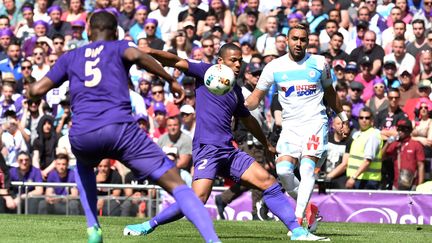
x: 379, y: 52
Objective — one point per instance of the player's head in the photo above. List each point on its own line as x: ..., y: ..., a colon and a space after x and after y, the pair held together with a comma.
x: 103, y: 24
x: 230, y: 55
x: 297, y: 40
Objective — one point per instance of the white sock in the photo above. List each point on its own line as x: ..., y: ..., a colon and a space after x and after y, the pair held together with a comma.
x: 307, y: 183
x: 285, y: 171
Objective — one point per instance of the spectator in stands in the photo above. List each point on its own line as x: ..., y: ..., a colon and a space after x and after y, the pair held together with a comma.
x: 7, y: 203
x: 160, y: 120
x: 158, y: 95
x: 57, y: 25
x: 188, y: 122
x: 181, y: 46
x: 399, y: 30
x: 175, y: 138
x: 369, y: 48
x: 355, y: 93
x: 54, y: 203
x: 376, y: 19
x: 13, y: 61
x: 316, y: 18
x: 74, y: 12
x: 339, y: 145
x: 408, y: 158
x: 26, y: 172
x: 210, y: 22
x: 331, y: 27
x: 198, y: 14
x: 44, y: 147
x: 404, y: 6
x: 268, y: 39
x: 150, y: 26
x: 334, y: 48
x: 127, y: 14
x: 141, y: 13
x: 226, y: 19
x: 41, y: 11
x: 342, y: 90
x: 6, y: 36
x: 253, y: 5
x: 14, y: 138
x: 419, y: 43
x: 364, y: 15
x: 7, y: 91
x: 364, y: 163
x: 58, y: 42
x: 281, y: 45
x: 167, y: 20
x: 77, y: 39
x: 11, y: 10
x: 378, y: 102
x: 386, y: 120
x: 133, y: 205
x: 425, y: 13
x: 313, y: 40
x: 407, y: 89
x: 399, y: 55
x: 357, y: 36
x: 106, y: 175
x: 339, y: 69
x: 389, y: 75
x: 424, y: 90
x: 367, y: 78
x: 40, y: 67
x: 251, y: 23
x: 24, y: 29
x: 350, y: 72
x: 208, y: 50
x: 40, y: 30
x: 424, y: 66
x: 423, y: 125
x: 32, y: 112
x: 190, y: 97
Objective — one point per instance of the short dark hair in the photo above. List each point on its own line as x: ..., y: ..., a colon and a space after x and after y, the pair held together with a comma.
x: 394, y: 90
x: 226, y: 47
x: 332, y: 21
x: 24, y: 153
x: 58, y: 36
x: 300, y: 27
x: 367, y: 109
x: 338, y: 34
x: 103, y: 21
x: 62, y: 156
x: 399, y: 22
x: 346, y: 103
x: 418, y: 21
x: 341, y: 86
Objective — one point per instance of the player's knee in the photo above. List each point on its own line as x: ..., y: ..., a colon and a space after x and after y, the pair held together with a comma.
x: 285, y: 168
x: 307, y: 168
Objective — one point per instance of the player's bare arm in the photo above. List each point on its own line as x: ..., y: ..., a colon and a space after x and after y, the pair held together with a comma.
x: 40, y: 87
x: 254, y: 99
x: 168, y: 59
x: 146, y: 62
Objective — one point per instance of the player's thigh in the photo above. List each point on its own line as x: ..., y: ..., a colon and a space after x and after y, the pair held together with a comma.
x: 170, y: 180
x: 208, y: 161
x: 257, y: 177
x: 202, y: 188
x: 289, y: 143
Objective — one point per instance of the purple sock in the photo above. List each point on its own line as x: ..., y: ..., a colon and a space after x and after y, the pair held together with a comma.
x: 86, y: 181
x: 170, y: 214
x: 195, y: 211
x: 279, y: 205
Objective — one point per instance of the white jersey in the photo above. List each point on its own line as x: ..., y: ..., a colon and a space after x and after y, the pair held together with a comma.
x: 300, y: 86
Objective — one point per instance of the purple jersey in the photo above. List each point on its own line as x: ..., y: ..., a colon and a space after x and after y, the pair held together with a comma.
x: 214, y: 112
x: 98, y: 98
x: 53, y: 176
x: 33, y: 175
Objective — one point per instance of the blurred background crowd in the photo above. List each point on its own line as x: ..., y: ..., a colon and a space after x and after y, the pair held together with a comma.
x: 379, y: 53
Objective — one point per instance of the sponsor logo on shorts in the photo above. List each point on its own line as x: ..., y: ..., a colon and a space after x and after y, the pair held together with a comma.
x: 301, y: 90
x: 313, y: 142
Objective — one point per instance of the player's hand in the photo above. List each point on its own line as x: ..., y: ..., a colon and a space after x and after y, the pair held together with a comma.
x: 177, y: 91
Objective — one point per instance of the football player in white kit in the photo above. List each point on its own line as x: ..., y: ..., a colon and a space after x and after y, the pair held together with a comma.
x: 304, y: 81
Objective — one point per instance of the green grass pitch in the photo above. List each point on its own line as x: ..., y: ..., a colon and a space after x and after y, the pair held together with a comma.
x: 41, y: 228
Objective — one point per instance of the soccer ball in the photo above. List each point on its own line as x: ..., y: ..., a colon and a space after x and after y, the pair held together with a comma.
x: 219, y: 79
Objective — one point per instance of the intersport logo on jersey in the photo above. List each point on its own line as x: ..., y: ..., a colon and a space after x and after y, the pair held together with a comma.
x: 300, y: 90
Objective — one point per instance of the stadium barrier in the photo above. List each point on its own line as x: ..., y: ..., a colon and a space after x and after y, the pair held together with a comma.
x: 361, y: 206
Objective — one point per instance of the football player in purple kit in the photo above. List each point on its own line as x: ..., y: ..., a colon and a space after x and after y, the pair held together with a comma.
x: 103, y: 126
x: 213, y: 152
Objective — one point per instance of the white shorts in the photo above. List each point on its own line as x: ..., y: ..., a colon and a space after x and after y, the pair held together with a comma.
x: 306, y: 139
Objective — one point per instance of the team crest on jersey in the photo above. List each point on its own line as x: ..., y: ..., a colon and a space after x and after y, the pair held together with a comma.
x: 312, y: 73
x: 300, y: 90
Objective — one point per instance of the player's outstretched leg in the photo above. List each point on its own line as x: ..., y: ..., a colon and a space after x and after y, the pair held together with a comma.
x: 187, y: 202
x: 86, y: 181
x: 277, y: 201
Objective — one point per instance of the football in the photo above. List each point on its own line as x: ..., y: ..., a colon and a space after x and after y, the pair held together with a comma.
x: 219, y: 79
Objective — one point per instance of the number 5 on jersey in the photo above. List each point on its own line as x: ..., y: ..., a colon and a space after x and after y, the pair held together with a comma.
x: 93, y: 72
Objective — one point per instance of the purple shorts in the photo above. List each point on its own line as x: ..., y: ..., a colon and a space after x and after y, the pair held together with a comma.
x: 124, y: 142
x: 210, y: 160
